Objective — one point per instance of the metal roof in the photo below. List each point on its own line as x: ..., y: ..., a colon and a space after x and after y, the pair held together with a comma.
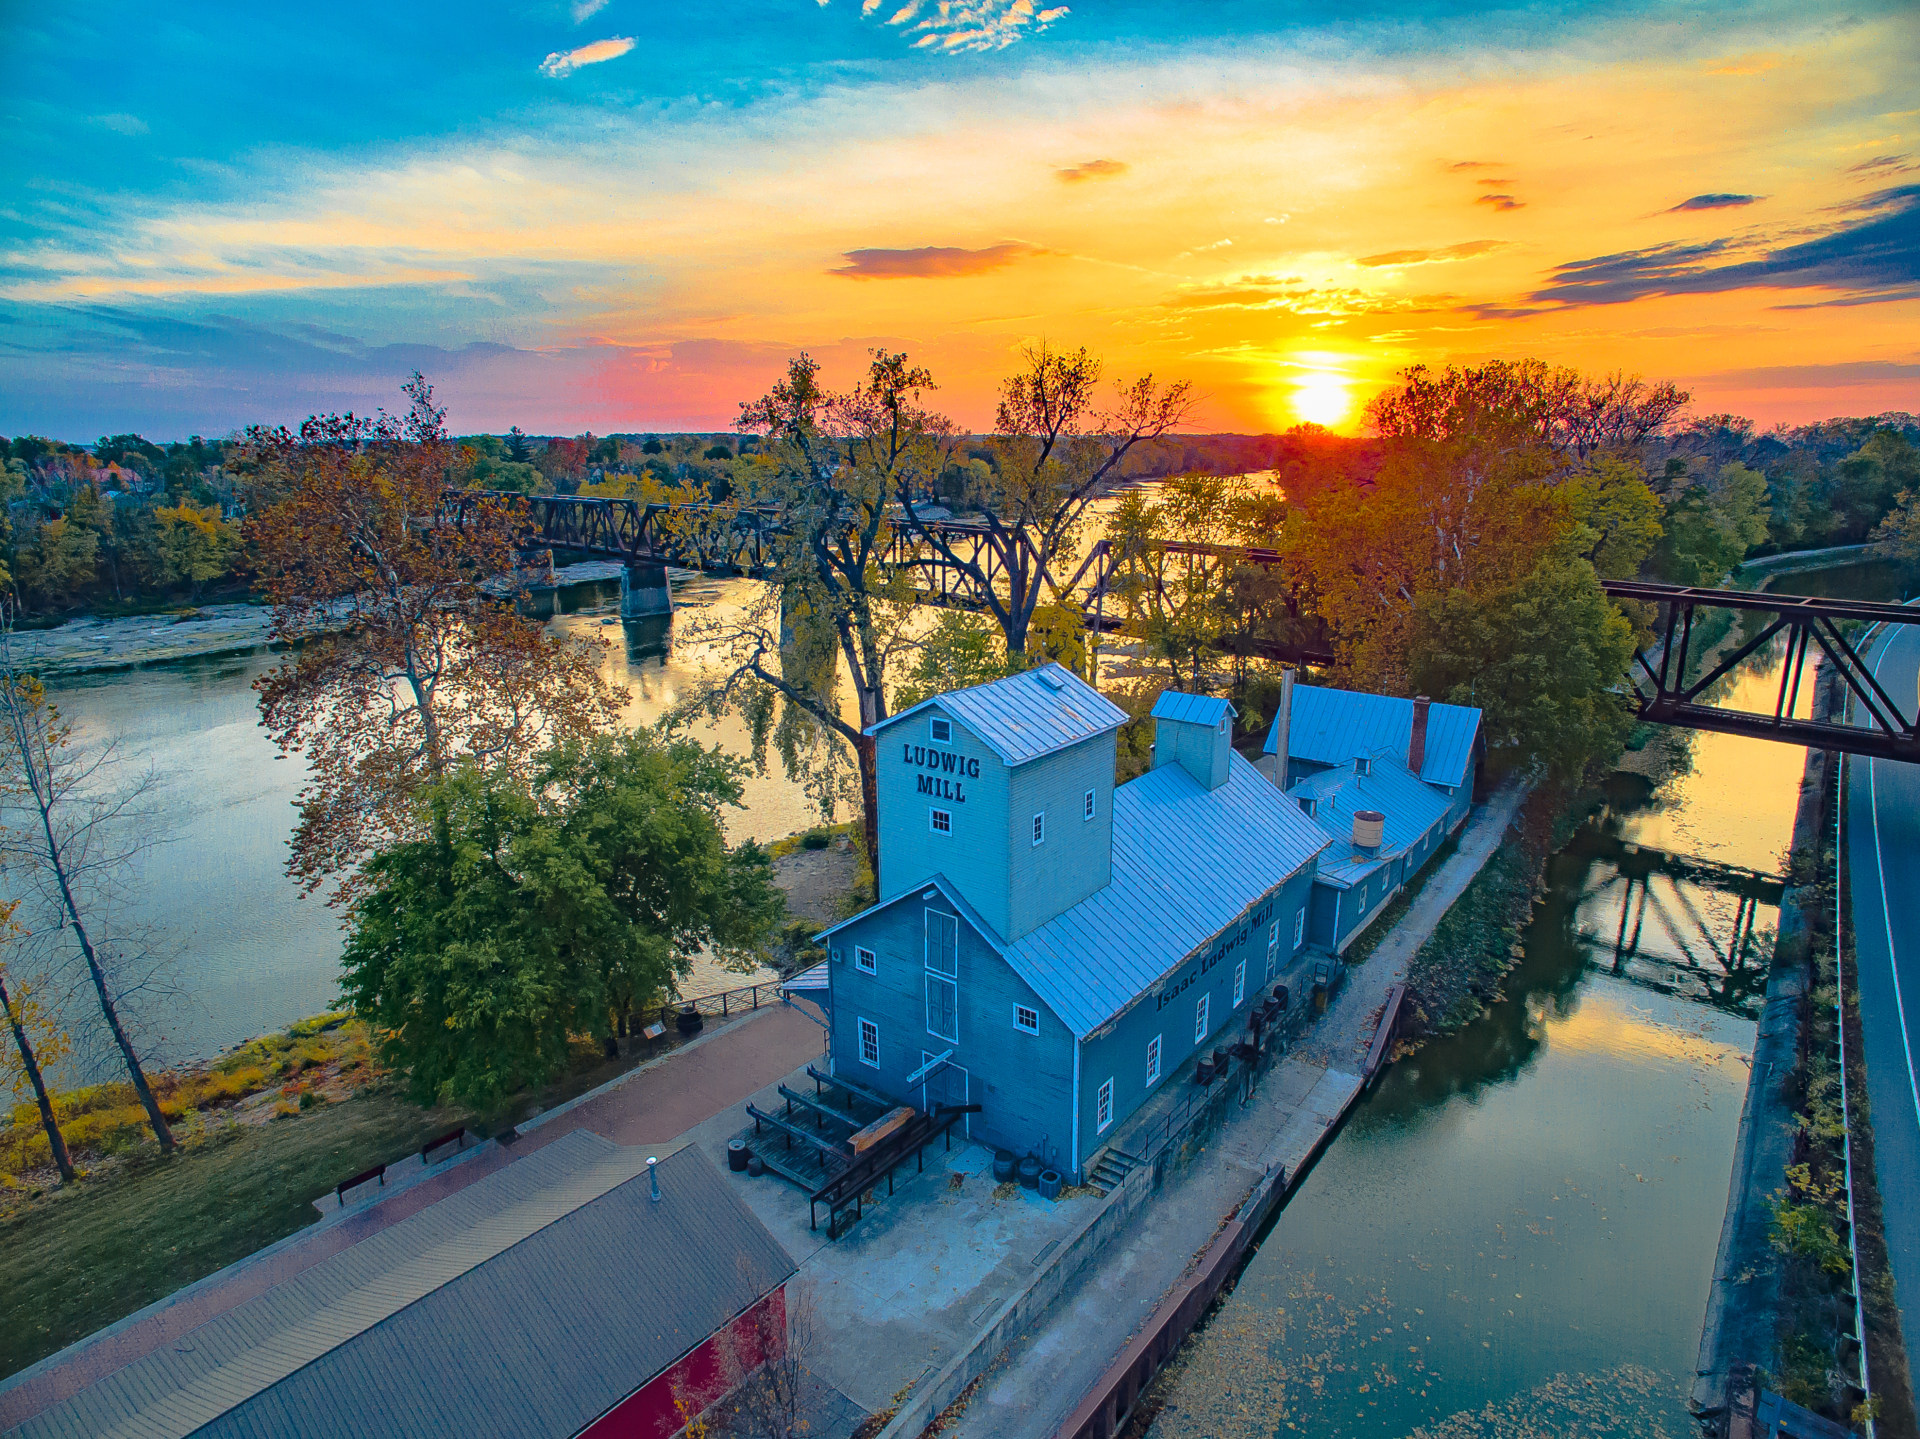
x: 1191, y: 709
x: 513, y: 1307
x: 1411, y: 809
x: 1027, y: 715
x: 1332, y: 726
x: 1187, y: 862
x: 953, y: 896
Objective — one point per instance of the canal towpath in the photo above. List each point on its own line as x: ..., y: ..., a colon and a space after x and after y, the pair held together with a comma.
x: 1033, y: 1384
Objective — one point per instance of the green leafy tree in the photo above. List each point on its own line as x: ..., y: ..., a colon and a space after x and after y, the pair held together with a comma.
x: 532, y: 915
x: 1542, y: 658
x: 1710, y: 526
x: 518, y: 450
x: 59, y: 561
x: 194, y: 544
x: 1897, y: 537
x: 961, y: 650
x: 1618, y: 512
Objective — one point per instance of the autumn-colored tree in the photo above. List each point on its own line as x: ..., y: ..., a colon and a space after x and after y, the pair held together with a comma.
x: 829, y: 463
x: 408, y: 655
x: 38, y: 1041
x: 195, y: 544
x: 1056, y: 448
x: 1897, y: 537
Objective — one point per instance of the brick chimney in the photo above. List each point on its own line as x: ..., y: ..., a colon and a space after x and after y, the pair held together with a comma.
x: 1417, y: 745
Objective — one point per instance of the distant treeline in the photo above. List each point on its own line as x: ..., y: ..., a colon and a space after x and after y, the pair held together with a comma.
x: 128, y: 524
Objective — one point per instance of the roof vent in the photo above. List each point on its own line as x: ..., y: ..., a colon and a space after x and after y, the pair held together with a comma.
x: 1053, y: 677
x: 1369, y: 828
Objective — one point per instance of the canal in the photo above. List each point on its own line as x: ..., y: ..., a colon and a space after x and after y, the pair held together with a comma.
x: 1514, y: 1234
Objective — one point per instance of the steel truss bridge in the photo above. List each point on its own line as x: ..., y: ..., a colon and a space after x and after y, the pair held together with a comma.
x: 720, y: 540
x: 974, y: 560
x: 1668, y: 694
x: 1662, y: 939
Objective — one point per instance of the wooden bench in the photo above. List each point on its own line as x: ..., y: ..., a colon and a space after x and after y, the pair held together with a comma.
x: 379, y: 1172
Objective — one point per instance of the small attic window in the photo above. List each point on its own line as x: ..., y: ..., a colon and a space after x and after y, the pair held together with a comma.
x: 939, y: 730
x: 1363, y: 766
x: 1306, y: 805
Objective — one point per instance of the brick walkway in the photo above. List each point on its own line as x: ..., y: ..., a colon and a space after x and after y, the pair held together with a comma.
x: 651, y: 1105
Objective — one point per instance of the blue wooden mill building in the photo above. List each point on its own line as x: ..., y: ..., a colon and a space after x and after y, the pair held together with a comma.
x: 1046, y: 944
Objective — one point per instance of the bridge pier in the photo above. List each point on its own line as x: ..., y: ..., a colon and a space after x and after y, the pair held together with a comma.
x: 644, y: 590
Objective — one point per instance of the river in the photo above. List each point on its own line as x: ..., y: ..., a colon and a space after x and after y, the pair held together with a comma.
x: 1514, y: 1234
x: 243, y: 950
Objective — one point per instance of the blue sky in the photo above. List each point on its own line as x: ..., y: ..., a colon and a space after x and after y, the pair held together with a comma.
x: 220, y: 214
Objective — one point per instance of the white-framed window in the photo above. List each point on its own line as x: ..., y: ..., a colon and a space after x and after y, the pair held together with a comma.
x: 869, y: 1043
x: 940, y: 821
x: 865, y: 960
x: 1363, y: 766
x: 1306, y: 805
x: 1239, y: 982
x: 1026, y: 1019
x: 1273, y: 947
x: 1300, y: 927
x: 1103, y: 1107
x: 1089, y: 808
x: 1040, y: 827
x: 1153, y: 1061
x: 1200, y: 1017
x: 943, y: 975
x: 940, y: 730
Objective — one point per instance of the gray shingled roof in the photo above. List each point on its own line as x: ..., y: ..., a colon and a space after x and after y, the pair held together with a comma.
x: 594, y: 1290
x: 1027, y: 715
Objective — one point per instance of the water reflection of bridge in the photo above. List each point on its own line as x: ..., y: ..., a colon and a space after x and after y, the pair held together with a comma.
x: 1673, y: 931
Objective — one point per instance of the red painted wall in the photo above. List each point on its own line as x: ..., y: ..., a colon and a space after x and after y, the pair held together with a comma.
x: 654, y: 1410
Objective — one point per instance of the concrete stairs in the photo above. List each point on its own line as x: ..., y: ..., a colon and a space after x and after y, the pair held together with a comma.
x: 1111, y: 1168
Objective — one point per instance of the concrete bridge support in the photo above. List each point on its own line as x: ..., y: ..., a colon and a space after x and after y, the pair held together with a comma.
x: 644, y: 591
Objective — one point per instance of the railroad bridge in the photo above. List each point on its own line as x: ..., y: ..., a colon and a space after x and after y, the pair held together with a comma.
x: 1670, y: 684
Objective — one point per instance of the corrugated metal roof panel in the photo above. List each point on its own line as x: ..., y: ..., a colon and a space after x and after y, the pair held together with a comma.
x: 1027, y: 715
x: 1411, y: 809
x: 539, y: 1336
x: 1191, y: 709
x: 1187, y: 862
x: 1332, y: 726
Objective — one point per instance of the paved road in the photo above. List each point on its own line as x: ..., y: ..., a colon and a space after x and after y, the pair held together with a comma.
x: 1883, y: 854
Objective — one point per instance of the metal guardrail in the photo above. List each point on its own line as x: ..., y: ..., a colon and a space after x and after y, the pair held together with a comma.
x: 1846, y: 1111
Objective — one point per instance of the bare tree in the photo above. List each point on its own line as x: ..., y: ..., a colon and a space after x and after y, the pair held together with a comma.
x: 82, y: 828
x: 37, y: 1041
x: 1056, y: 449
x: 764, y: 1387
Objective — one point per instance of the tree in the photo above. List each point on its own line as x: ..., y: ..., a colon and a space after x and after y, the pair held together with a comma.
x: 1055, y: 450
x: 1711, y: 525
x: 518, y: 450
x: 1618, y: 512
x: 407, y: 653
x: 1182, y: 603
x: 829, y: 464
x: 59, y: 561
x: 764, y: 1387
x: 77, y: 839
x: 1897, y: 537
x: 38, y: 1041
x: 1507, y: 405
x: 195, y: 545
x: 534, y: 912
x: 961, y: 650
x: 1541, y: 658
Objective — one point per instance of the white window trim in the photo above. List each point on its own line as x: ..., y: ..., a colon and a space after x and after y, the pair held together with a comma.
x: 1020, y: 1023
x: 1300, y: 927
x: 1239, y: 982
x: 932, y: 736
x: 935, y: 815
x: 1092, y: 805
x: 1103, y: 1099
x: 1202, y: 1018
x: 865, y: 960
x: 933, y: 977
x: 1154, y: 1051
x: 1039, y: 829
x: 868, y: 1027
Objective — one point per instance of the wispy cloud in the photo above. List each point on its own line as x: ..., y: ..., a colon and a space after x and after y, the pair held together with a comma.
x: 122, y: 124
x: 932, y: 261
x: 1477, y: 165
x: 1501, y: 202
x: 562, y: 63
x: 1873, y: 259
x: 955, y: 27
x: 585, y: 10
x: 1091, y: 170
x: 1400, y: 258
x: 1716, y: 202
x: 1881, y: 165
